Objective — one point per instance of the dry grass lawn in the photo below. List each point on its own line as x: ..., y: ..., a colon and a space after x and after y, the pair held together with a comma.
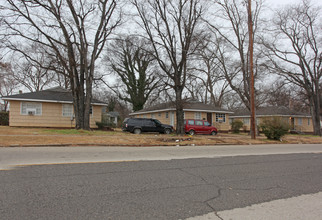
x: 68, y: 137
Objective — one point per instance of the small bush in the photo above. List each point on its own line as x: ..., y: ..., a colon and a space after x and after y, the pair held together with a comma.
x: 275, y: 128
x: 236, y: 126
x: 101, y: 125
x: 4, y: 118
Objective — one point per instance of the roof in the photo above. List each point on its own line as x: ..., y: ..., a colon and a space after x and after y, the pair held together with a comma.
x: 187, y: 106
x: 56, y: 94
x: 269, y: 111
x: 113, y: 114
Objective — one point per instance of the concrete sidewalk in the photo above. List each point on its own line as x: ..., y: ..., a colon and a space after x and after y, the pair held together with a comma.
x: 296, y: 208
x: 13, y: 156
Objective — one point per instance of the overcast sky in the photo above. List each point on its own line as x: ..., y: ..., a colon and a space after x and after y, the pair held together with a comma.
x: 283, y: 2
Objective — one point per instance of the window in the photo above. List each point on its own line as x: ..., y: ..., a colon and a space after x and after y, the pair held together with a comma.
x: 207, y: 123
x: 159, y: 114
x: 197, y: 115
x: 191, y: 122
x: 299, y: 121
x: 31, y: 108
x: 245, y: 120
x: 220, y: 117
x: 200, y: 123
x: 152, y: 115
x: 308, y: 121
x: 67, y: 110
x: 167, y: 115
x: 149, y: 123
x: 157, y: 122
x: 91, y: 110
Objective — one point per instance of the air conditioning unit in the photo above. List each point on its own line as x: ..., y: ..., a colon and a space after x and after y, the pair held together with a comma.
x: 220, y: 120
x: 31, y: 111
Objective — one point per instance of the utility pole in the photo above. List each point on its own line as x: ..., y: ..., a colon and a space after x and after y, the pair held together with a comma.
x: 251, y: 67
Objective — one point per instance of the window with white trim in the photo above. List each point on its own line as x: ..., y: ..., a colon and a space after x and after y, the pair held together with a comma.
x: 299, y: 121
x: 67, y: 110
x: 197, y: 115
x: 31, y: 108
x: 220, y: 117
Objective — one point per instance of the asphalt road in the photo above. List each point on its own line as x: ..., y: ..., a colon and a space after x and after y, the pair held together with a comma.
x: 169, y: 189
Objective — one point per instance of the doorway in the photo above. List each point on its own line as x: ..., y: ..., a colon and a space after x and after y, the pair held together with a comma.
x: 209, y: 117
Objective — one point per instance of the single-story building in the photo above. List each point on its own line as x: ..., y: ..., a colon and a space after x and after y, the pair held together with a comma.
x: 111, y: 117
x: 48, y: 108
x: 299, y: 121
x: 166, y: 113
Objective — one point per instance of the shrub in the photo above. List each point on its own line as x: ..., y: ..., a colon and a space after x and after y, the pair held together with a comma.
x: 275, y: 128
x: 236, y: 126
x: 4, y: 118
x: 101, y: 125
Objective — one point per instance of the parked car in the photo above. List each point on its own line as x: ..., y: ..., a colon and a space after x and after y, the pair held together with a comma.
x: 138, y: 125
x: 193, y: 126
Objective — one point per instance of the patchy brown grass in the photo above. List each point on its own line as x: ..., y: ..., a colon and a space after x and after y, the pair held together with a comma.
x: 68, y: 137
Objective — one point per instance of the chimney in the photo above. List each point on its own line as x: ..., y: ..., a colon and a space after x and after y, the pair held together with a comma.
x: 20, y: 91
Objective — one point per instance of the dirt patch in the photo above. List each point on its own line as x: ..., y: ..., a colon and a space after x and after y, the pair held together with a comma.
x: 67, y: 137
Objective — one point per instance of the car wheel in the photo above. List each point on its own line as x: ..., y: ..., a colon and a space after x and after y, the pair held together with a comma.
x: 167, y: 131
x: 214, y: 133
x: 192, y: 132
x: 137, y: 131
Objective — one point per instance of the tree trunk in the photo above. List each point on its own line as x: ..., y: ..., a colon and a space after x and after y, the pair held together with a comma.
x: 315, y: 113
x: 179, y: 111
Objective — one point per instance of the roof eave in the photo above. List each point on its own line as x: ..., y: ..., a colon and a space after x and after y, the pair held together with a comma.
x: 187, y: 110
x: 248, y: 116
x: 44, y: 100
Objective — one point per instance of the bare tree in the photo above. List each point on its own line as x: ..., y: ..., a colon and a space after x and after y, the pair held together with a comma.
x: 283, y: 93
x: 28, y: 67
x: 172, y: 28
x: 231, y: 35
x: 294, y: 52
x: 7, y: 83
x: 206, y: 79
x: 130, y: 59
x: 74, y: 32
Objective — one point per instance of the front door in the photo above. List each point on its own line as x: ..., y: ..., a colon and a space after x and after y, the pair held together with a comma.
x: 292, y: 124
x: 209, y: 118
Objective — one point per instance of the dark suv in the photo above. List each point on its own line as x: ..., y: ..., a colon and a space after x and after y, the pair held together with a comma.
x: 138, y: 125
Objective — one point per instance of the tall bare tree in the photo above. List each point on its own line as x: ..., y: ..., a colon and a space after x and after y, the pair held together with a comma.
x: 231, y: 35
x: 172, y: 28
x: 74, y: 32
x: 206, y: 78
x: 294, y: 52
x: 7, y: 83
x: 31, y: 67
x: 130, y: 59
